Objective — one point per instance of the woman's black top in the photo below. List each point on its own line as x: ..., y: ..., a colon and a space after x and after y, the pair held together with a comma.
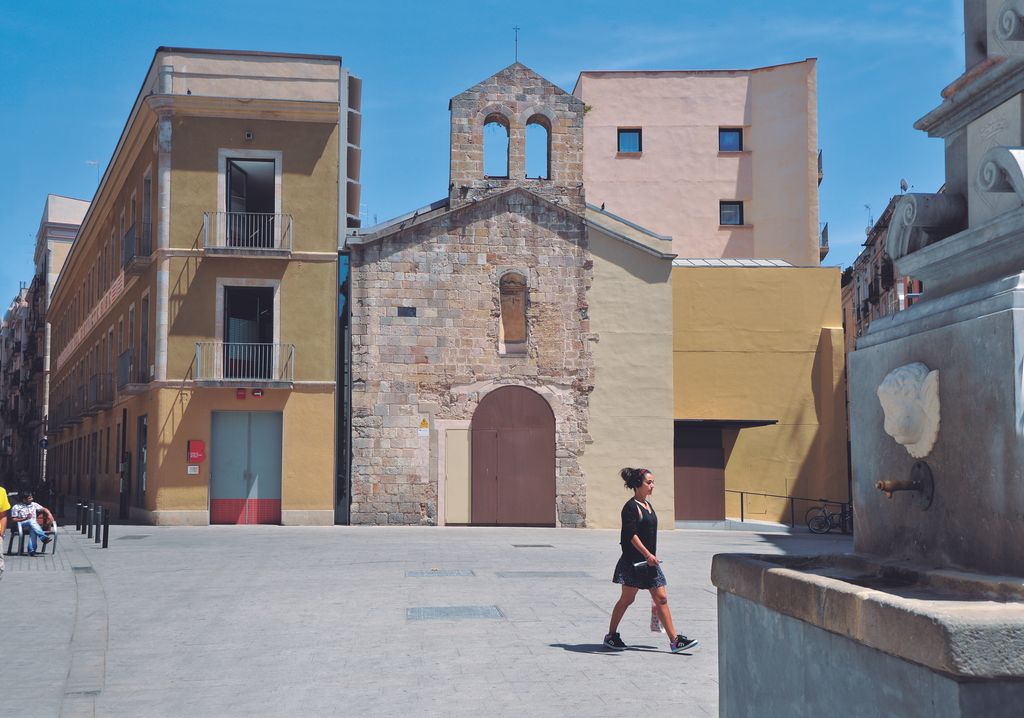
x: 638, y: 521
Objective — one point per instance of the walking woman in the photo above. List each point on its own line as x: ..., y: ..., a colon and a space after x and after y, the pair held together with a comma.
x: 638, y: 566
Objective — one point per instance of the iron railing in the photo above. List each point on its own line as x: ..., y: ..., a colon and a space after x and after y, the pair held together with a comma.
x: 137, y: 242
x: 101, y: 391
x: 234, y: 361
x: 247, y: 231
x: 130, y: 371
x: 846, y: 508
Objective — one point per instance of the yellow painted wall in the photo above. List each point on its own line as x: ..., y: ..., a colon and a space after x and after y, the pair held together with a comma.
x: 458, y: 496
x: 765, y: 343
x: 108, y: 483
x: 631, y: 405
x: 307, y: 457
x: 308, y: 309
x: 309, y: 182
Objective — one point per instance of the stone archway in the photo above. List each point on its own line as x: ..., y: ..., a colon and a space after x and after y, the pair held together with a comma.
x: 513, y: 459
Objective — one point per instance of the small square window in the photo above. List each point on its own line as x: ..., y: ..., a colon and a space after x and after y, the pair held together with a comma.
x: 730, y: 139
x: 631, y: 140
x: 730, y: 213
x: 407, y: 311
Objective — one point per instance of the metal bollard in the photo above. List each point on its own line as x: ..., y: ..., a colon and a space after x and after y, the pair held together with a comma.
x: 99, y: 523
x: 106, y: 527
x: 85, y: 516
x: 91, y: 516
x: 78, y: 516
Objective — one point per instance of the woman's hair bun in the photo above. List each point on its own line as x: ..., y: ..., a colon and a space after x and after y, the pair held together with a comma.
x: 633, y: 477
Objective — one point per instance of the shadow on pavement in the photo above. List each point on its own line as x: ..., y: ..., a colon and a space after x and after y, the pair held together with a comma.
x: 599, y: 648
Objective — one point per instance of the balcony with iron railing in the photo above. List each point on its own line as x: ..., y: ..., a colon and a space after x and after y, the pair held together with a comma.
x: 232, y: 363
x: 137, y: 248
x: 132, y: 375
x: 58, y: 417
x: 821, y: 169
x: 101, y: 392
x: 78, y: 403
x: 823, y: 242
x: 255, y: 234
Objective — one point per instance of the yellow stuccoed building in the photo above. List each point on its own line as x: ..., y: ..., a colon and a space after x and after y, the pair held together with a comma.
x: 194, y: 323
x: 759, y: 390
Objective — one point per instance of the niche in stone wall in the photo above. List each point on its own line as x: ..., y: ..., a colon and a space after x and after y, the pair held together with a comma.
x: 512, y: 329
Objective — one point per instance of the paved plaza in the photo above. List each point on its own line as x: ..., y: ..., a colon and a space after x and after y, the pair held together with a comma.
x: 349, y: 621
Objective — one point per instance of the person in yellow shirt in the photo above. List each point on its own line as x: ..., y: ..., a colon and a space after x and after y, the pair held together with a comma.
x: 5, y: 506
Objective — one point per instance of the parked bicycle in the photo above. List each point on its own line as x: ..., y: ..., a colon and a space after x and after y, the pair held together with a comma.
x: 822, y: 519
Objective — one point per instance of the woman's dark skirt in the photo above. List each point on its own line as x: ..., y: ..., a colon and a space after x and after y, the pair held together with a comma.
x: 645, y: 577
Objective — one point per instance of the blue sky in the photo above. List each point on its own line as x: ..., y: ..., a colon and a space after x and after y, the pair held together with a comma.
x: 72, y: 70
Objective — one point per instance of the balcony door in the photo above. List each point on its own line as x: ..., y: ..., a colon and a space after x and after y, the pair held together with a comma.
x: 250, y: 203
x: 249, y: 333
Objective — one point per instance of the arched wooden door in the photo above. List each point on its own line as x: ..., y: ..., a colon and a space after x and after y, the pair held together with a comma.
x: 513, y: 459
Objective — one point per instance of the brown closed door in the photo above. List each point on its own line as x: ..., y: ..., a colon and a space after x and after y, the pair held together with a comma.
x: 513, y: 459
x: 484, y: 489
x: 700, y: 484
x: 699, y: 472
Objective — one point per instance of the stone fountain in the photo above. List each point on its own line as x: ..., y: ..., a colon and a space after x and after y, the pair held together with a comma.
x: 926, y: 618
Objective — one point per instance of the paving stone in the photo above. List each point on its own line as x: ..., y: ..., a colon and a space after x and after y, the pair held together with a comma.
x: 225, y: 621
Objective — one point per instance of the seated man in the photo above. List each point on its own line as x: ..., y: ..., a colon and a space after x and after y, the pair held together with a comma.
x: 25, y: 514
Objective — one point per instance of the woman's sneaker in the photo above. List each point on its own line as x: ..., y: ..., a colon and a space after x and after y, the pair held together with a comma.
x: 615, y: 643
x: 681, y: 644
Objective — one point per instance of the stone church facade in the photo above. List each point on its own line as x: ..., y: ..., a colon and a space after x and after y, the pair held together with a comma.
x: 472, y: 361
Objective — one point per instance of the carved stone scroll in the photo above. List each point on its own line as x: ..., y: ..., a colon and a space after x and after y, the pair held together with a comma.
x: 921, y: 219
x: 1010, y: 21
x: 1002, y: 170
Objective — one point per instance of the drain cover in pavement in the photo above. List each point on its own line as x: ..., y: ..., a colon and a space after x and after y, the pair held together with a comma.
x: 542, y: 574
x: 439, y: 572
x: 83, y: 569
x: 133, y: 536
x: 532, y: 545
x: 449, y: 613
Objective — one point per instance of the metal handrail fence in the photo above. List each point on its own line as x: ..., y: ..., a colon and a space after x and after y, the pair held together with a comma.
x: 845, y: 507
x: 137, y: 242
x: 238, y: 361
x: 250, y: 231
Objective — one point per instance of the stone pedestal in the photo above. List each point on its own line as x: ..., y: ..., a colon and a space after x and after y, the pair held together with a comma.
x: 975, y: 339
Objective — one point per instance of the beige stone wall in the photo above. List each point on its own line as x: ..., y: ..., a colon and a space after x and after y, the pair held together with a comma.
x: 228, y: 74
x: 438, y: 365
x: 631, y: 418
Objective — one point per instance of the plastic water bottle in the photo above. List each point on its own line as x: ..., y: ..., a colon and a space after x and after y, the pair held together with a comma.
x: 655, y: 622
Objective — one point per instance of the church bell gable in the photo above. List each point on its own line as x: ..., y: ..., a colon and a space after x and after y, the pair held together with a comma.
x: 516, y: 99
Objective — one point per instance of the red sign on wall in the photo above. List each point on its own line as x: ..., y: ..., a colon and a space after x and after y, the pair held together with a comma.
x: 196, y: 451
x: 239, y: 393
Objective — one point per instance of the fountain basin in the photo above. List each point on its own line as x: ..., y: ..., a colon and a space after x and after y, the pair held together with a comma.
x: 964, y: 625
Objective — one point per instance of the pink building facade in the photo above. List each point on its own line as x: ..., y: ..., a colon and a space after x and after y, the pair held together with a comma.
x: 724, y: 161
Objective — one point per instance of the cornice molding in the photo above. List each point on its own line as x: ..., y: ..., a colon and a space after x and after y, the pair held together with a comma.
x: 989, y: 90
x: 244, y: 108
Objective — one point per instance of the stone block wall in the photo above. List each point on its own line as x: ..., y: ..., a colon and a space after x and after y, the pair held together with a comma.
x: 517, y: 94
x: 439, y: 364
